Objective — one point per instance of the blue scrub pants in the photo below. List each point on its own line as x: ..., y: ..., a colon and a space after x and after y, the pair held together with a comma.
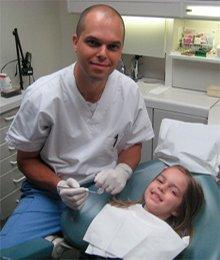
x: 37, y: 215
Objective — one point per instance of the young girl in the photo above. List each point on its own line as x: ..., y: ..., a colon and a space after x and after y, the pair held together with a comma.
x: 173, y: 196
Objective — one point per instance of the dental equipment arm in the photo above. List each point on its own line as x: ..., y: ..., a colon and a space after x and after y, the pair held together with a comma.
x: 114, y: 180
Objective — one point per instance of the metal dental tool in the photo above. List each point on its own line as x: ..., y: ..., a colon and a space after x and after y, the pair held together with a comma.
x: 99, y: 191
x: 85, y: 181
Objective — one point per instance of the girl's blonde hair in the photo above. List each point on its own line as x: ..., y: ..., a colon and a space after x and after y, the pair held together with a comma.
x: 192, y: 201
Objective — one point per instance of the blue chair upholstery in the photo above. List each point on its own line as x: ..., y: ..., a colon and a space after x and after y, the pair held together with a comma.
x: 75, y: 223
x: 205, y: 241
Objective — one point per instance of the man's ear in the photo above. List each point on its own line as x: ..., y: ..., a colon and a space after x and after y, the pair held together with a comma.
x: 75, y: 41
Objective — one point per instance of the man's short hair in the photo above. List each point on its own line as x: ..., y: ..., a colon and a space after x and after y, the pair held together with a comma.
x: 81, y: 22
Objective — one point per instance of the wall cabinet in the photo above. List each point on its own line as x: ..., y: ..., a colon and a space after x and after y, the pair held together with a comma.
x: 188, y: 9
x: 157, y: 8
x: 168, y: 8
x: 145, y: 36
x: 10, y: 177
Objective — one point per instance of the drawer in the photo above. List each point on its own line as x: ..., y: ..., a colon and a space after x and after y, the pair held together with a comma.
x: 6, y: 150
x: 10, y: 181
x: 3, y: 132
x: 7, y: 117
x: 9, y: 203
x: 8, y: 164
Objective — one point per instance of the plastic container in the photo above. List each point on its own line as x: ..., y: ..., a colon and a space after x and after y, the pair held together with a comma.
x: 5, y: 81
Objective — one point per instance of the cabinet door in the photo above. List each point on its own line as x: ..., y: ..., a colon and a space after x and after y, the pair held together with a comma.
x: 3, y: 132
x: 7, y: 164
x: 146, y: 153
x: 10, y: 181
x: 9, y: 203
x: 6, y: 150
x: 144, y: 36
x: 159, y: 115
x: 7, y: 117
x: 10, y: 177
x: 201, y: 9
x: 152, y: 8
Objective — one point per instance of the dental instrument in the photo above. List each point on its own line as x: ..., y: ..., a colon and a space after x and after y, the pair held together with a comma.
x: 99, y: 191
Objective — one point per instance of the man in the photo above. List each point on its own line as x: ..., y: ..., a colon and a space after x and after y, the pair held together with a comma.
x: 85, y: 122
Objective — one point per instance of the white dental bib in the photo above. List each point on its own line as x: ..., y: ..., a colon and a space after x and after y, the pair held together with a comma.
x: 132, y: 233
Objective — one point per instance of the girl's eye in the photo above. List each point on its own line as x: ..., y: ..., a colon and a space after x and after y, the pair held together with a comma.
x: 174, y: 192
x: 160, y: 180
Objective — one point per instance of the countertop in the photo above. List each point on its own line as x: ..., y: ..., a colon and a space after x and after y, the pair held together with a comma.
x: 214, y: 114
x: 157, y: 95
x: 9, y: 103
x: 177, y: 100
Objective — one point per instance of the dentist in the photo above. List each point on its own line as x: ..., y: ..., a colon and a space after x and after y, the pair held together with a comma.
x: 84, y: 122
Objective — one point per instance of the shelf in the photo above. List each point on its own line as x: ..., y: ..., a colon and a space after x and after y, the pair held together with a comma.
x: 178, y: 56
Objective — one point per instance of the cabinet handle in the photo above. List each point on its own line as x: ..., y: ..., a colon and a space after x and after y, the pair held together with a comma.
x: 19, y: 180
x: 13, y: 163
x: 11, y: 148
x: 9, y: 118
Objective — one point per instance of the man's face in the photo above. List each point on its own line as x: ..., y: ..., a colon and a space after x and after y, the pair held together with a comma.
x: 165, y: 193
x: 99, y: 46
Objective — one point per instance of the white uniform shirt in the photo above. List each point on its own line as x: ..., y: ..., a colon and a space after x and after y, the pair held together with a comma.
x: 72, y: 139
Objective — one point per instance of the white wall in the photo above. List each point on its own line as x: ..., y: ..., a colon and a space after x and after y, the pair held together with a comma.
x: 45, y: 29
x: 68, y: 24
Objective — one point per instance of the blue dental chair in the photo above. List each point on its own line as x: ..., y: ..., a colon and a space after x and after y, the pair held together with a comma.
x: 205, y: 242
x: 206, y: 239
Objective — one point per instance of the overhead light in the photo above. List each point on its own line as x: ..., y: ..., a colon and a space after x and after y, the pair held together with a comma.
x: 205, y: 11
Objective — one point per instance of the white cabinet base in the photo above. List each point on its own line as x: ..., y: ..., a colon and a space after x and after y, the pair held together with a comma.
x: 9, y: 203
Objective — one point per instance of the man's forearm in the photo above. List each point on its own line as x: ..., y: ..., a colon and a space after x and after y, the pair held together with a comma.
x: 131, y: 156
x: 36, y: 171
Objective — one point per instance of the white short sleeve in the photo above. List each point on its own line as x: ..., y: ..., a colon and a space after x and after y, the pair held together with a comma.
x: 31, y: 125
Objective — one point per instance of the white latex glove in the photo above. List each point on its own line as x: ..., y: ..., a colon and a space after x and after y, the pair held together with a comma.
x: 72, y: 194
x: 113, y: 180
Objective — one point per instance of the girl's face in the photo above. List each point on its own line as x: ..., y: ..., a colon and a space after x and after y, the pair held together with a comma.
x: 164, y: 194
